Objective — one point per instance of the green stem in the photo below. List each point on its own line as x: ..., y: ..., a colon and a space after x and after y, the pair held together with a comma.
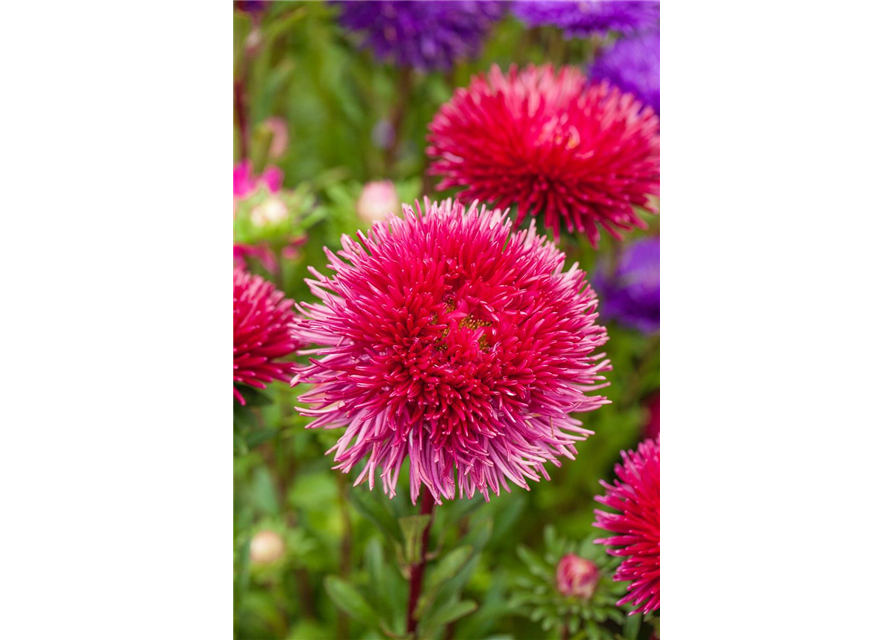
x: 346, y: 542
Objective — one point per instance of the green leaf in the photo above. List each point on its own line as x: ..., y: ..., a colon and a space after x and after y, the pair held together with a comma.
x: 479, y: 535
x: 535, y: 564
x: 509, y: 516
x: 240, y: 447
x: 350, y: 601
x: 258, y: 437
x: 241, y: 28
x: 413, y: 527
x: 444, y: 616
x: 448, y: 567
x: 366, y: 503
x: 631, y: 628
x: 244, y: 419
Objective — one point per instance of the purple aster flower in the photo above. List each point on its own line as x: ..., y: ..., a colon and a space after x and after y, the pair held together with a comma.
x: 633, y: 65
x: 631, y: 295
x: 253, y: 7
x: 583, y: 18
x: 425, y: 35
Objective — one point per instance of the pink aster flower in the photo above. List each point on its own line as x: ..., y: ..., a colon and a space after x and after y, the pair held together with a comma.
x: 245, y: 183
x: 636, y: 495
x: 576, y: 576
x: 263, y: 321
x: 552, y: 144
x: 448, y: 340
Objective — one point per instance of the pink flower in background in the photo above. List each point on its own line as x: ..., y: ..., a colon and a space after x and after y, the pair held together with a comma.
x: 261, y: 252
x: 273, y: 210
x: 245, y: 183
x: 377, y: 201
x: 652, y: 427
x: 636, y: 495
x: 586, y: 156
x: 576, y: 577
x: 447, y: 339
x: 263, y: 322
x: 279, y: 145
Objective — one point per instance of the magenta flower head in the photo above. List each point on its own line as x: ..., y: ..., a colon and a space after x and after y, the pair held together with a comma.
x: 447, y: 339
x: 636, y: 495
x: 576, y: 577
x: 263, y: 322
x: 550, y: 143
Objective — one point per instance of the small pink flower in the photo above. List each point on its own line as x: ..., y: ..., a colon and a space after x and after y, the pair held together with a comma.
x: 652, y: 427
x: 576, y: 577
x: 245, y: 183
x: 263, y: 325
x: 636, y: 496
x: 377, y: 200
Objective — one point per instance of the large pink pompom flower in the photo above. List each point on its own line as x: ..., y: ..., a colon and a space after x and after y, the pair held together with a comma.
x: 263, y: 322
x: 550, y: 143
x: 636, y: 495
x: 452, y: 341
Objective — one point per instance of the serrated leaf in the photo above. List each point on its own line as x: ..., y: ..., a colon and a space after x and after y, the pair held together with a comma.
x: 350, y: 601
x: 413, y: 527
x: 534, y: 563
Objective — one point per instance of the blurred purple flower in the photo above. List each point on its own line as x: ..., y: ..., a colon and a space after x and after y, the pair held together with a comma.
x: 631, y: 295
x: 580, y: 19
x: 425, y: 35
x: 633, y: 65
x: 253, y: 7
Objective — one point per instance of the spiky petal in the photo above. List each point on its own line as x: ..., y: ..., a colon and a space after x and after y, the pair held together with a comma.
x: 453, y: 342
x: 636, y: 495
x: 263, y: 321
x: 550, y: 143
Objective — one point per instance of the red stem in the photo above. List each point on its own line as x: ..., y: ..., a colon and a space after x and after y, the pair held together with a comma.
x: 417, y: 571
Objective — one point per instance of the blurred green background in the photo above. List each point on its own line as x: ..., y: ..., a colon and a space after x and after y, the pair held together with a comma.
x: 294, y: 63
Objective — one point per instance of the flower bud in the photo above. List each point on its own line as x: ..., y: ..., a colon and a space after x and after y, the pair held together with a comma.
x: 377, y: 200
x: 576, y: 577
x: 266, y: 547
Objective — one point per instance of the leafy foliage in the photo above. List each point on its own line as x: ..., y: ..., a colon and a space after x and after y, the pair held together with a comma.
x: 536, y: 595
